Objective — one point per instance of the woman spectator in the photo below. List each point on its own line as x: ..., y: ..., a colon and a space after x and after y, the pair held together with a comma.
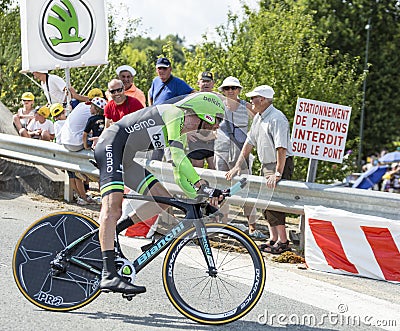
x: 231, y: 135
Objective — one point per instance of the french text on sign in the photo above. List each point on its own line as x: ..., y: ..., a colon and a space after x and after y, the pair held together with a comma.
x: 320, y: 130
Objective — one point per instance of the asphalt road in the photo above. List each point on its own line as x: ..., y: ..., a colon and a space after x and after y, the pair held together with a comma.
x: 294, y: 299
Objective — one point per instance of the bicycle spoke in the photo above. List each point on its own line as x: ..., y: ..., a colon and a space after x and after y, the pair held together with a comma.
x: 220, y: 296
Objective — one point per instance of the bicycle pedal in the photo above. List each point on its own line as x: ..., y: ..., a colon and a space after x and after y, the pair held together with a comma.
x: 128, y: 297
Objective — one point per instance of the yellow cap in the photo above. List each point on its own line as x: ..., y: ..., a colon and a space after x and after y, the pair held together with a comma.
x: 44, y: 111
x: 96, y: 92
x: 56, y: 109
x: 28, y: 96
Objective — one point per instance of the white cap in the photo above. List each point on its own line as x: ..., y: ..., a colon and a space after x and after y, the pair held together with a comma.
x: 262, y: 91
x: 230, y: 81
x: 126, y: 68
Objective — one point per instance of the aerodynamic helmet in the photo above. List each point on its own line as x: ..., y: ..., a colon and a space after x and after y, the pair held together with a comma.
x: 206, y: 105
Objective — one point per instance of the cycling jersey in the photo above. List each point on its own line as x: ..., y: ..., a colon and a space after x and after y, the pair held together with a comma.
x: 150, y: 128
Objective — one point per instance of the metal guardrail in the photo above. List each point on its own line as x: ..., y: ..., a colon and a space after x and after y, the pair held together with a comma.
x: 288, y: 196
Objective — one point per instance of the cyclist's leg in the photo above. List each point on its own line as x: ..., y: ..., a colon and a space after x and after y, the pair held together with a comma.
x: 108, y: 154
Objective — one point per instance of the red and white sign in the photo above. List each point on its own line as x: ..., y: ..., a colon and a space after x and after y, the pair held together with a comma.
x: 342, y: 242
x: 320, y: 130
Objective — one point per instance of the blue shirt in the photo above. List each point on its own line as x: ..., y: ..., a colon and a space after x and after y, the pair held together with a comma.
x: 160, y: 92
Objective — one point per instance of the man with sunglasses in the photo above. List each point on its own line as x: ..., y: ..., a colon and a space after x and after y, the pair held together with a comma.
x: 121, y: 104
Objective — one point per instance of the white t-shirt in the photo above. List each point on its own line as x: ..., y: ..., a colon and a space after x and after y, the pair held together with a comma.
x: 57, y: 130
x: 54, y: 89
x: 72, y: 131
x: 24, y: 121
x: 45, y: 126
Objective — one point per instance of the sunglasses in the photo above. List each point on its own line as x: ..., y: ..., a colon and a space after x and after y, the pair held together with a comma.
x: 233, y: 88
x: 117, y: 90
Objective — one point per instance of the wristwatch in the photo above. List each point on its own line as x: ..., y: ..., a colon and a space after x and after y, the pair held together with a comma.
x: 278, y: 174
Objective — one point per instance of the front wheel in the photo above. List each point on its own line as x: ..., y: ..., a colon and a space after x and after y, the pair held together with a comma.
x: 208, y: 298
x: 53, y: 282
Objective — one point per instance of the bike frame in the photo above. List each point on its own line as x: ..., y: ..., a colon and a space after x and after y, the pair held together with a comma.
x: 193, y: 218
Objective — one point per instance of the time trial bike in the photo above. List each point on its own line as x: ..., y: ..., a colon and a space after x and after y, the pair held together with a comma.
x: 213, y: 273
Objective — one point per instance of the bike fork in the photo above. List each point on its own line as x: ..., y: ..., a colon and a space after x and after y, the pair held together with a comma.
x: 204, y: 242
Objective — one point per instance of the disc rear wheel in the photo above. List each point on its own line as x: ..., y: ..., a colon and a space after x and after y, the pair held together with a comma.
x: 52, y: 281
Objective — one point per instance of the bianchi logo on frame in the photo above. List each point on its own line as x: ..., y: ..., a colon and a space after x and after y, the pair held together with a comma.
x: 67, y: 28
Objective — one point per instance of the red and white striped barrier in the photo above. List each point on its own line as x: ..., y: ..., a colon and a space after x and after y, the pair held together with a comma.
x: 342, y: 242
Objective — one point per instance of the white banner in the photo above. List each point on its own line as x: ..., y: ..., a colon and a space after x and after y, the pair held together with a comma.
x: 342, y: 242
x: 320, y: 130
x: 58, y: 34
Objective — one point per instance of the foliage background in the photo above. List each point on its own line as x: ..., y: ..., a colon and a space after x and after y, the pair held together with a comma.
x: 312, y: 49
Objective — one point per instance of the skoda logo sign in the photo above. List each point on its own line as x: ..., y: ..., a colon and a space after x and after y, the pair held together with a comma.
x: 67, y: 28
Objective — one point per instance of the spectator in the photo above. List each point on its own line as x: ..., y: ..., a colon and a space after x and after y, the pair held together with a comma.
x: 40, y: 127
x: 84, y: 98
x: 121, y: 104
x: 72, y: 131
x: 77, y: 185
x: 53, y: 86
x: 95, y: 124
x: 166, y: 86
x: 201, y: 144
x: 25, y: 113
x: 231, y: 136
x: 372, y: 161
x: 126, y: 74
x: 270, y: 134
x: 391, y: 180
x: 163, y: 88
x: 59, y: 115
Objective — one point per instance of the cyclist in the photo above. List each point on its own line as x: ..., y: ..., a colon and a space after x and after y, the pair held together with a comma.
x: 150, y: 128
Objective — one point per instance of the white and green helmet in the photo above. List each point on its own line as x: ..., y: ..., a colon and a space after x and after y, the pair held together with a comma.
x: 207, y: 106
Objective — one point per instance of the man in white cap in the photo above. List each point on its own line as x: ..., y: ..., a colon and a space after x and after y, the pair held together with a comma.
x: 270, y: 134
x: 126, y: 74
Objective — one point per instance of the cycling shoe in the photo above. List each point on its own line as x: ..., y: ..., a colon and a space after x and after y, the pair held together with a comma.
x: 117, y: 284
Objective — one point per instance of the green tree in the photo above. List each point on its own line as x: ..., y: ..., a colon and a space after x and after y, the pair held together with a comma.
x: 11, y: 82
x: 279, y: 46
x: 343, y: 24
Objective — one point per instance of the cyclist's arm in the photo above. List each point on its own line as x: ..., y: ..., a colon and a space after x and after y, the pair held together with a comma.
x: 185, y: 175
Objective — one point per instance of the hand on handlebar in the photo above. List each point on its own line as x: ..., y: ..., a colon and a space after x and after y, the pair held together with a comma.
x: 215, y: 195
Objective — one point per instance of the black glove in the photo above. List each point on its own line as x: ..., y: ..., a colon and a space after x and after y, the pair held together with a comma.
x: 209, y: 191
